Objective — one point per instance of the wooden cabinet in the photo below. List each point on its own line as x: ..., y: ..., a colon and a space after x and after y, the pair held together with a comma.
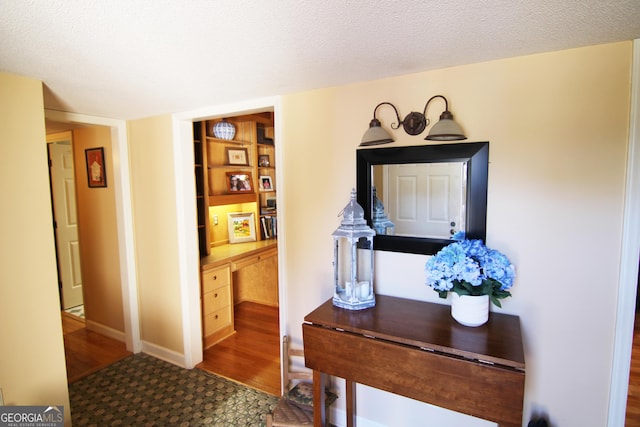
x: 255, y: 278
x: 217, y: 304
x: 232, y: 274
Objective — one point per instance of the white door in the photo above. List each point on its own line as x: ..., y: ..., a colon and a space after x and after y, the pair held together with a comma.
x: 66, y: 220
x: 426, y: 199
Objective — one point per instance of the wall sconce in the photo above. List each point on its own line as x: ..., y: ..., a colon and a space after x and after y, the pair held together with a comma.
x: 414, y: 123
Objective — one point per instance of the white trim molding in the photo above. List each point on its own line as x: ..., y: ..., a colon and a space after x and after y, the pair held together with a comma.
x: 124, y: 217
x: 630, y: 250
x: 189, y: 261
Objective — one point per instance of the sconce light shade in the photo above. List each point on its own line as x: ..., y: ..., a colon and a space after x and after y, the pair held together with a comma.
x: 375, y: 135
x: 446, y: 129
x: 414, y: 123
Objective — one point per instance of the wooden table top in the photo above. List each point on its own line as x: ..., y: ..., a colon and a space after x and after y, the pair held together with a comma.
x: 429, y: 326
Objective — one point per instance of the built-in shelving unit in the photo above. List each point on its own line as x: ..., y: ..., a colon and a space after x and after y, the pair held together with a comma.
x: 248, y: 159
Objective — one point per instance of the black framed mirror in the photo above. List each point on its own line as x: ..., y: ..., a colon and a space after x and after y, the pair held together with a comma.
x: 414, y: 183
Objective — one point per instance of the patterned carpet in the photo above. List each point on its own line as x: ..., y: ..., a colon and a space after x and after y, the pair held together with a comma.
x: 144, y: 391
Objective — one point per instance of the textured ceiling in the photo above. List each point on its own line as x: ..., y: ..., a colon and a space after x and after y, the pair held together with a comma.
x: 129, y: 59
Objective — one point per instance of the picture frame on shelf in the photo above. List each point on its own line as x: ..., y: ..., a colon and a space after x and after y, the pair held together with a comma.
x: 239, y: 182
x: 264, y: 161
x: 242, y: 227
x: 96, y: 170
x: 265, y: 183
x: 237, y: 156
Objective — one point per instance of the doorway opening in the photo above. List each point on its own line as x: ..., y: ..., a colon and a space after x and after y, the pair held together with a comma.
x: 237, y: 230
x: 98, y: 339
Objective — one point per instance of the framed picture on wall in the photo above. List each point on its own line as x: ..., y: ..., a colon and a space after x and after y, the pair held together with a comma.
x: 96, y: 171
x: 242, y: 227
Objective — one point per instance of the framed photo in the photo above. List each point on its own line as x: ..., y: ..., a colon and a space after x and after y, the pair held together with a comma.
x: 239, y: 182
x: 96, y: 172
x: 242, y: 227
x: 263, y: 161
x: 237, y: 156
x: 265, y: 183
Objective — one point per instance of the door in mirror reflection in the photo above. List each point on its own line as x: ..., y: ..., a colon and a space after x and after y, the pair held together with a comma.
x: 423, y: 199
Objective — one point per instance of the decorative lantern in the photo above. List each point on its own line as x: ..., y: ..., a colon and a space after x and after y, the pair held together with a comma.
x: 353, y: 259
x: 381, y: 222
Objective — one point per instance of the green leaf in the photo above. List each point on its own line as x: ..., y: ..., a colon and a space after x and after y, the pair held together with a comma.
x: 496, y: 301
x: 461, y: 291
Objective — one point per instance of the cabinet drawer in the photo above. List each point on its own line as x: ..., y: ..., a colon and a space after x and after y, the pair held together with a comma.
x: 250, y: 260
x: 216, y: 299
x: 215, y: 278
x: 217, y: 320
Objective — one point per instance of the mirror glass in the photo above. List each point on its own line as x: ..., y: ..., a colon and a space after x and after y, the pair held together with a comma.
x: 420, y: 198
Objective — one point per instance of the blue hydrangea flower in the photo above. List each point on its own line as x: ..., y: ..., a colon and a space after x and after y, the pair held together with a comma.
x: 468, y: 267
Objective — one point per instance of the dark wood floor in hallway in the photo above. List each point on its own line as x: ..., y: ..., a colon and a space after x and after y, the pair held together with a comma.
x: 87, y: 351
x: 633, y: 396
x: 251, y: 356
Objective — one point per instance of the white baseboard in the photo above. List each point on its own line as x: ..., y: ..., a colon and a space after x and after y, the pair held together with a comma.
x: 163, y: 353
x: 105, y: 330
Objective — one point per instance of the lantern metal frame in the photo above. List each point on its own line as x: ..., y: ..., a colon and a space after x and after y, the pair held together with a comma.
x: 352, y: 291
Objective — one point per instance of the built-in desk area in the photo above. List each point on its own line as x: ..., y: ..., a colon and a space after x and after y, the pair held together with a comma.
x: 232, y: 274
x: 225, y: 254
x: 415, y: 349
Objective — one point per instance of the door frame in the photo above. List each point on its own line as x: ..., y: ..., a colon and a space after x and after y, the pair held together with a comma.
x: 124, y: 217
x: 189, y: 262
x: 630, y: 254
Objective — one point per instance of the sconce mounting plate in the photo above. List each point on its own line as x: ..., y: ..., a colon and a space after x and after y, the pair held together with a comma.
x: 414, y: 123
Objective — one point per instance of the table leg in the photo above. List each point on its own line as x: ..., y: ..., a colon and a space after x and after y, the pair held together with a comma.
x: 319, y: 407
x: 351, y: 403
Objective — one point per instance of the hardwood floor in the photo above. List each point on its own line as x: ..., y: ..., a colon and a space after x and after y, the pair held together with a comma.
x: 87, y: 351
x: 633, y: 396
x: 252, y: 355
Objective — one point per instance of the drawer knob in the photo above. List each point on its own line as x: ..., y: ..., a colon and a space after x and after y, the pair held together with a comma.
x: 215, y: 277
x: 215, y: 295
x: 216, y: 317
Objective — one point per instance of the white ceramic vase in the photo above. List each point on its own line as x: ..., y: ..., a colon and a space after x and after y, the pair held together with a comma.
x: 470, y: 310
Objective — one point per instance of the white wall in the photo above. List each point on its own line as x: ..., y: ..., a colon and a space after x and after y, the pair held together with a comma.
x: 558, y: 127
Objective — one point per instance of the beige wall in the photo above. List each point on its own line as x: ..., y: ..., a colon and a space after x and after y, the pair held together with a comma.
x: 557, y: 125
x: 98, y: 234
x: 154, y: 196
x: 32, y: 367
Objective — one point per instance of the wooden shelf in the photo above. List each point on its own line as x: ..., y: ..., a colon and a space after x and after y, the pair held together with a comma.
x: 231, y: 199
x: 227, y: 141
